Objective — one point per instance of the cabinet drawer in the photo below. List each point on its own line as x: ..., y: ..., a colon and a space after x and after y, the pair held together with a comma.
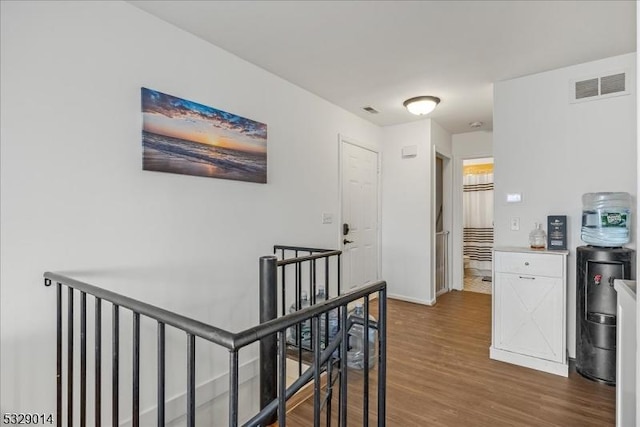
x: 532, y: 264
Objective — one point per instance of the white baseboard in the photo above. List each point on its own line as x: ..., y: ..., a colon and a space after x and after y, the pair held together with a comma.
x: 206, y: 392
x: 410, y: 299
x: 549, y: 366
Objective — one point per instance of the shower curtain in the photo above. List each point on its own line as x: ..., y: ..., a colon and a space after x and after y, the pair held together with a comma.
x: 478, y: 217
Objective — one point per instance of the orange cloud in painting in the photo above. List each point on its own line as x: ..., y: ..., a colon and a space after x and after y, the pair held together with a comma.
x: 198, y: 131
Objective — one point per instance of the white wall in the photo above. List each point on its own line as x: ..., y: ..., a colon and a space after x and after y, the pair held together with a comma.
x: 74, y: 197
x: 467, y: 145
x: 441, y: 139
x: 408, y: 199
x: 553, y: 152
x: 406, y: 211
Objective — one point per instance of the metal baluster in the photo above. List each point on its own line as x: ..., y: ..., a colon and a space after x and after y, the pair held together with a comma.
x: 98, y: 363
x: 161, y: 372
x: 115, y: 366
x: 282, y: 378
x: 135, y: 416
x: 312, y: 279
x: 83, y: 359
x: 326, y: 277
x: 382, y: 356
x: 315, y: 324
x: 326, y: 295
x: 329, y: 390
x: 70, y: 358
x: 342, y: 409
x: 233, y: 388
x: 59, y: 354
x: 365, y: 386
x: 338, y: 269
x: 298, y: 307
x: 312, y: 300
x: 191, y: 380
x: 284, y: 290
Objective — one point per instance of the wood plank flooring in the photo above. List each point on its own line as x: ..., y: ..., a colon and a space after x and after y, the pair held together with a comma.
x: 439, y: 374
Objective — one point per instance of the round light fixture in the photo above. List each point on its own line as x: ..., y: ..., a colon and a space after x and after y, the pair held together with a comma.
x: 421, y: 105
x: 476, y: 125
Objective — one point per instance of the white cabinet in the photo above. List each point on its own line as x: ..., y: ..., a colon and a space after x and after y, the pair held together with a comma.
x: 529, y: 308
x: 626, y: 354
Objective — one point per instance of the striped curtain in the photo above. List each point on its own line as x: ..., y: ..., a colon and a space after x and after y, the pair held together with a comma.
x: 478, y: 218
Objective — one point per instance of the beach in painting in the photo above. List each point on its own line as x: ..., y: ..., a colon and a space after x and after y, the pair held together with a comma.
x: 167, y: 154
x: 184, y: 137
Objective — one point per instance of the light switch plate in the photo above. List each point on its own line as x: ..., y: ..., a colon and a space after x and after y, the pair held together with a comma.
x: 515, y: 224
x: 327, y: 218
x: 514, y: 198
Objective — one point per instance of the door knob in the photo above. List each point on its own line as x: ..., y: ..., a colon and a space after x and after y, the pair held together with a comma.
x: 345, y: 241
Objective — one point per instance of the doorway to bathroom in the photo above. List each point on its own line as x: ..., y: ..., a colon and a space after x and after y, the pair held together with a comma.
x: 477, y: 202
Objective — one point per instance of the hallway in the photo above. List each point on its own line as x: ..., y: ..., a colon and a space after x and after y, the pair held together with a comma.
x: 477, y: 284
x: 440, y: 374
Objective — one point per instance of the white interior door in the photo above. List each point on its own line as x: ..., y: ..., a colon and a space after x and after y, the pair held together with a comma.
x: 359, y: 216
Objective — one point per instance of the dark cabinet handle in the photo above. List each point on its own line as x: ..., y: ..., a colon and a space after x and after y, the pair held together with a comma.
x: 345, y: 241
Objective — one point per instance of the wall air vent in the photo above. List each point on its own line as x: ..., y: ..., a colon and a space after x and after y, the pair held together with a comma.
x: 599, y: 87
x: 612, y: 84
x: 587, y: 88
x: 370, y: 110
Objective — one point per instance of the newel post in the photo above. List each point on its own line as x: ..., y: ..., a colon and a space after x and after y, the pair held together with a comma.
x: 268, y: 345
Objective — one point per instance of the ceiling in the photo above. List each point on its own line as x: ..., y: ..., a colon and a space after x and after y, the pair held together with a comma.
x: 379, y: 53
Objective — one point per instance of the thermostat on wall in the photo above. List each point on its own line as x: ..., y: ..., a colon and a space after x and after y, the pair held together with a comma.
x: 514, y: 197
x: 410, y: 151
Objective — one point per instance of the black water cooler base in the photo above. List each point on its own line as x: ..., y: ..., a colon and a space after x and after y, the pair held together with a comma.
x: 596, y: 379
x: 596, y: 307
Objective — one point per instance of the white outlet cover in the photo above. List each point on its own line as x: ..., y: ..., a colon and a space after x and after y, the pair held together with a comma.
x: 327, y: 218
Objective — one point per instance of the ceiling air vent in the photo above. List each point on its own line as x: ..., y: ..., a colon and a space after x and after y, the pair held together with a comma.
x: 599, y: 87
x: 370, y: 110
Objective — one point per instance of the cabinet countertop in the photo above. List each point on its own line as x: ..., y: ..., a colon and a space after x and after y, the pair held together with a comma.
x: 529, y: 250
x: 626, y: 287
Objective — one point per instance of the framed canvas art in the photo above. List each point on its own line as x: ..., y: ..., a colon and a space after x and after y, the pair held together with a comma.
x: 184, y: 137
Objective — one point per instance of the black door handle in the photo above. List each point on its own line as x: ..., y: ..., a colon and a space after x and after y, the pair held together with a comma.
x: 345, y: 229
x: 345, y: 241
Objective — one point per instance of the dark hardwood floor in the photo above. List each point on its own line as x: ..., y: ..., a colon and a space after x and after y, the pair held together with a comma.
x: 439, y: 374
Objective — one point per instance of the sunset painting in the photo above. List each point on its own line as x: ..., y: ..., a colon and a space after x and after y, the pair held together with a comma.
x: 180, y: 136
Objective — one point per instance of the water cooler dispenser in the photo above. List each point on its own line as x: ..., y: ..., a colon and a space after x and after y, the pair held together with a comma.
x: 596, y: 304
x: 606, y: 219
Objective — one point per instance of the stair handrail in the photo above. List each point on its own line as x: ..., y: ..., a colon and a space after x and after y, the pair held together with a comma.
x: 203, y: 330
x: 229, y: 340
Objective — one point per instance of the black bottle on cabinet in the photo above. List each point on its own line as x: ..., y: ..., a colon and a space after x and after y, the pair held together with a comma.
x: 596, y: 305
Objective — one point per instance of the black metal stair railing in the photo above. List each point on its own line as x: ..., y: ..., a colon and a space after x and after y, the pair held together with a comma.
x: 314, y: 270
x: 317, y: 263
x: 271, y: 333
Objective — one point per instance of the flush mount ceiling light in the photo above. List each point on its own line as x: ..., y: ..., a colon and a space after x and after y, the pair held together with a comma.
x: 476, y: 125
x: 421, y: 105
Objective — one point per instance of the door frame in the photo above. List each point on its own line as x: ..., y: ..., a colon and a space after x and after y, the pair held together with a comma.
x: 447, y: 216
x: 342, y: 139
x: 457, y: 227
